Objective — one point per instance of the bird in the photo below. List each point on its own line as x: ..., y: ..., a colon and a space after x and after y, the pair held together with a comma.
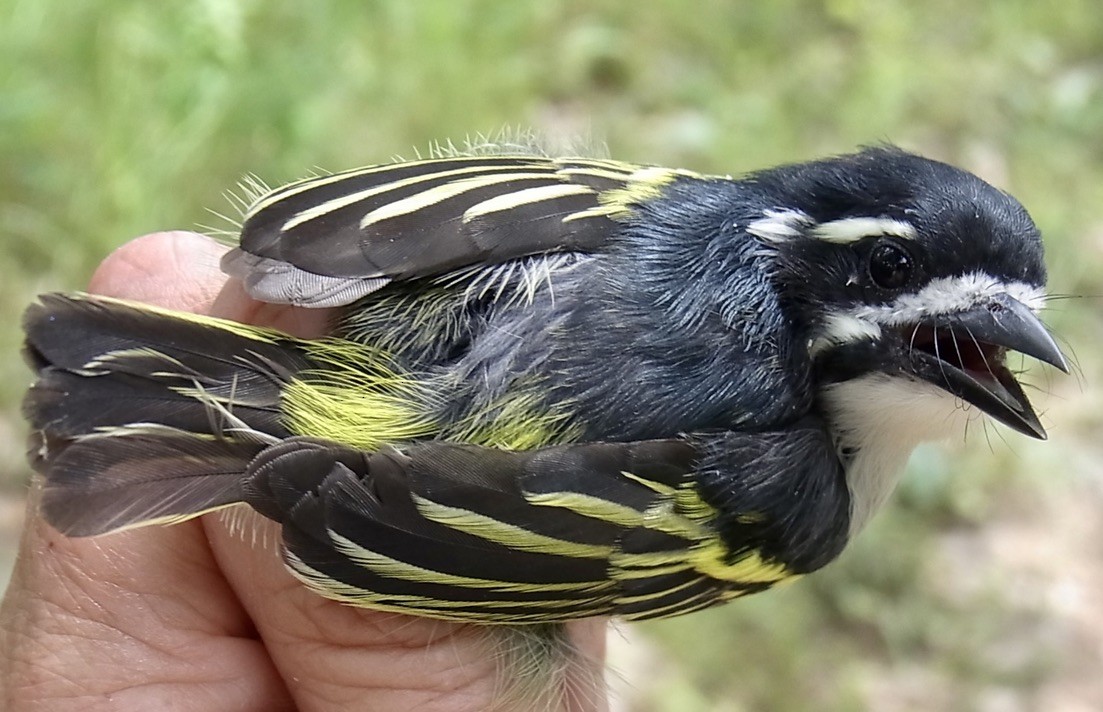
x: 557, y: 387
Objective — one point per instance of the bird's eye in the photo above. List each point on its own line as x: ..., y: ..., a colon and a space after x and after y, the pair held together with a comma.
x: 890, y: 266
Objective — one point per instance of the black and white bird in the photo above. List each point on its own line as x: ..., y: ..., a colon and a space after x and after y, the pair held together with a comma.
x: 560, y: 387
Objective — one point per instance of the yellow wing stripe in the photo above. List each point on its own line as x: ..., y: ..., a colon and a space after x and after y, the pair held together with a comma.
x: 612, y: 167
x: 677, y: 511
x: 525, y: 196
x: 645, y: 597
x: 662, y: 516
x: 440, y: 193
x: 637, y: 183
x: 393, y: 568
x: 625, y: 574
x: 509, y: 535
x: 712, y: 559
x: 688, y: 503
x: 437, y: 608
x: 301, y: 186
x: 603, y: 173
x: 652, y: 560
x: 703, y: 600
x: 657, y: 487
x: 329, y: 206
x: 644, y: 184
x: 589, y: 506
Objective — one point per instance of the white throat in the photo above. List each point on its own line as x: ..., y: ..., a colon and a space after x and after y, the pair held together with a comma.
x: 877, y: 421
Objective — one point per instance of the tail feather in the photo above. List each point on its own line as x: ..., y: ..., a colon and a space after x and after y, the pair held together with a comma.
x: 104, y: 363
x: 139, y: 475
x: 86, y: 333
x: 144, y: 416
x: 67, y: 405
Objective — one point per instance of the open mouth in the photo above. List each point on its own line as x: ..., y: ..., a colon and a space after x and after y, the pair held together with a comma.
x: 965, y: 353
x: 979, y: 359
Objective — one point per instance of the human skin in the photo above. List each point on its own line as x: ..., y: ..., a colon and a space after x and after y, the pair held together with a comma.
x: 202, y: 615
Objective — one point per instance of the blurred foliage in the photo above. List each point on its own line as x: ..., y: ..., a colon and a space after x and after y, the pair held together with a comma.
x: 119, y: 118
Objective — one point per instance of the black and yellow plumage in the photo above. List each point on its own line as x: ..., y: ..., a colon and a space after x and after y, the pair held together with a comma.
x: 559, y: 388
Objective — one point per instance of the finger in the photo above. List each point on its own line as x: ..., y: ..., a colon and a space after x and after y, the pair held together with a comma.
x: 141, y: 619
x: 176, y: 270
x: 337, y: 657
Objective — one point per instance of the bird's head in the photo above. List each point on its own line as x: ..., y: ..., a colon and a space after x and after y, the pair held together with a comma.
x: 909, y: 275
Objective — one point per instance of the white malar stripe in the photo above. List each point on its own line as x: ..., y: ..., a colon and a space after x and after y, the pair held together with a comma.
x: 847, y: 230
x: 440, y: 193
x: 780, y: 225
x: 526, y: 196
x: 841, y: 328
x: 949, y: 295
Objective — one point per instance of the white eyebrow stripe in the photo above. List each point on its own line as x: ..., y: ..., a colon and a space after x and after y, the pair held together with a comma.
x: 780, y: 225
x: 846, y: 230
x: 948, y: 295
x: 783, y: 225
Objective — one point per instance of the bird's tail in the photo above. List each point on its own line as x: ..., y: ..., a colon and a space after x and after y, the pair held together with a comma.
x: 142, y: 416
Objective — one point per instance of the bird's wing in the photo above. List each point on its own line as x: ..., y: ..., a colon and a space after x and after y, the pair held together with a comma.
x: 329, y: 240
x: 469, y: 533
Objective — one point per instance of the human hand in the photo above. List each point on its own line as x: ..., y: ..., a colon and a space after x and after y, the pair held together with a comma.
x: 202, y: 615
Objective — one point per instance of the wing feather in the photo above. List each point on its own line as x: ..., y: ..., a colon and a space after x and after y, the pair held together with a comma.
x: 470, y: 533
x: 330, y: 240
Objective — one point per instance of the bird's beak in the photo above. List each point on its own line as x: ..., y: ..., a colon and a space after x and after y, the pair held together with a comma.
x: 965, y: 353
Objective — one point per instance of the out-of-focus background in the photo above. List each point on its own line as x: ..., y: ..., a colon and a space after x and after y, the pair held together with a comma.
x: 981, y: 589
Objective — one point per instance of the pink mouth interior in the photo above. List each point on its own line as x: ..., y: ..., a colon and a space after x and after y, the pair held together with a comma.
x: 979, y: 359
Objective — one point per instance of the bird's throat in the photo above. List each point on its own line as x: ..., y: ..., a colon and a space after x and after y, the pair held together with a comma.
x: 877, y: 421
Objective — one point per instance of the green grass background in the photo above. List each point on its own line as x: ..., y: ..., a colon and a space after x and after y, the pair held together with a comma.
x: 119, y: 118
